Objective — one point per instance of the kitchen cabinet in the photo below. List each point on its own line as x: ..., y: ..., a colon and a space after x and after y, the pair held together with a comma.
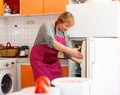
x: 1, y: 7
x: 55, y: 6
x: 27, y: 78
x: 28, y: 7
x: 42, y: 6
x: 14, y: 5
x: 35, y: 7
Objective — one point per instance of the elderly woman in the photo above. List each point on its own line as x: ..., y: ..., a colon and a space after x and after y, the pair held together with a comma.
x: 49, y: 41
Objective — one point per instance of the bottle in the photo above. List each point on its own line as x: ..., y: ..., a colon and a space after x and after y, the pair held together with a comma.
x: 78, y: 71
x: 7, y: 9
x: 1, y: 7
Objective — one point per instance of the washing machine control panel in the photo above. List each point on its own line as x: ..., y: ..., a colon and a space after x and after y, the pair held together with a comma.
x: 7, y: 63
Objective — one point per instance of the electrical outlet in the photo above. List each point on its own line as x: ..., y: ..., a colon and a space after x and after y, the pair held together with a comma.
x: 30, y: 22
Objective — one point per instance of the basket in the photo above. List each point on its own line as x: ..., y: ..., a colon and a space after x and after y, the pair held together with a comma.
x: 9, y: 51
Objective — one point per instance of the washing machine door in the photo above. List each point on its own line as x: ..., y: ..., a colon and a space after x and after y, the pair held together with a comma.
x: 6, y: 83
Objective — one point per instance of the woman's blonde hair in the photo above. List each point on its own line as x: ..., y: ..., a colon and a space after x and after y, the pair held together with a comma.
x: 66, y: 17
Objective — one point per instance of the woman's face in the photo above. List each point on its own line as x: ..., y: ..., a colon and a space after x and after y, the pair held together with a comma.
x: 63, y: 27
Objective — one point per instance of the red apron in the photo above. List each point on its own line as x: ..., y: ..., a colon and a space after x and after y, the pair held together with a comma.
x: 44, y: 60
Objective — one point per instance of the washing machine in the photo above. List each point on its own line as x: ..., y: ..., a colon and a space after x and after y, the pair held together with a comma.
x: 7, y: 75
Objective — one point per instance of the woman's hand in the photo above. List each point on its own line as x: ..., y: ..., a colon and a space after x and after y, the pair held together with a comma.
x: 72, y: 51
x: 75, y: 53
x: 76, y: 60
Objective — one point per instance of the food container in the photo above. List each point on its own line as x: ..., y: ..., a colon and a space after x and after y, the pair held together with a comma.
x: 26, y: 48
x: 72, y: 85
x: 24, y: 51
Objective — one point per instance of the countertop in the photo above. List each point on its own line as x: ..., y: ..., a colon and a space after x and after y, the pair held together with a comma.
x: 22, y: 60
x: 18, y: 60
x: 30, y: 91
x: 63, y: 61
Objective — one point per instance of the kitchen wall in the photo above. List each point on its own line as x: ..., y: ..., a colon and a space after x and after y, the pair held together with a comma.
x: 88, y: 1
x: 22, y: 30
x: 2, y: 30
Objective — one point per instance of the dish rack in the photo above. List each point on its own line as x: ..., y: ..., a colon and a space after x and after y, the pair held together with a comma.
x: 9, y: 51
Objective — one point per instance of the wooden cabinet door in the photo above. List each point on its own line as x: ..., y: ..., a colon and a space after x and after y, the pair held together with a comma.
x: 27, y: 78
x: 1, y: 7
x: 55, y: 6
x: 28, y: 7
x: 64, y: 71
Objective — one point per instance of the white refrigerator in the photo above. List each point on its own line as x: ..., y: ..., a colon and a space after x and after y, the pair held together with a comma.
x: 95, y: 19
x: 100, y: 64
x: 96, y: 31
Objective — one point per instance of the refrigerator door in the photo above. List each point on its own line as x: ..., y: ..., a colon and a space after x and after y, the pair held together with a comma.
x: 95, y: 19
x: 76, y: 70
x: 105, y: 68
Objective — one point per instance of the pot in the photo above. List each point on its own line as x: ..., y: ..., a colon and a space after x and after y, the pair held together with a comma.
x: 72, y: 85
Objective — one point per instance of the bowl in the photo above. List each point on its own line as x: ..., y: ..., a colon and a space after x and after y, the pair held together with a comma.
x: 72, y: 85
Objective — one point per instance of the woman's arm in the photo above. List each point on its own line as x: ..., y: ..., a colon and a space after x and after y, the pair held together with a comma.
x: 73, y: 52
x: 76, y: 60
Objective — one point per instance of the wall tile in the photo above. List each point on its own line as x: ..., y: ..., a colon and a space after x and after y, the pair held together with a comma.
x: 22, y: 30
x: 3, y: 34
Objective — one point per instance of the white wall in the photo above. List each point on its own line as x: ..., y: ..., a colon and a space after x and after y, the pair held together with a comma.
x: 99, y: 0
x: 2, y: 30
x: 26, y: 30
x: 73, y: 1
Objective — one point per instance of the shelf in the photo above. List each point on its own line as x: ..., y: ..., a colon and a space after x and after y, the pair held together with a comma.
x: 19, y: 15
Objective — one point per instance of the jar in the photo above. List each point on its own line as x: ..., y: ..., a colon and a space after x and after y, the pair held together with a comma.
x: 22, y: 52
x: 26, y: 49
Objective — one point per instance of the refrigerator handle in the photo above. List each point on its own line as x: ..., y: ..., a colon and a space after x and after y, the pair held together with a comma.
x: 93, y: 51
